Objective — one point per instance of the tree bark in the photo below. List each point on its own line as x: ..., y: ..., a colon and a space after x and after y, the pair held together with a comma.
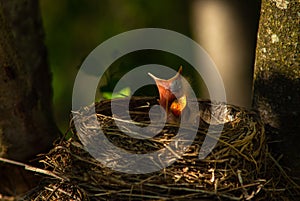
x: 277, y: 78
x: 26, y: 122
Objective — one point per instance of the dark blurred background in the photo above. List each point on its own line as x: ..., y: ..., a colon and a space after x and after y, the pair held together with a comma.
x: 225, y: 29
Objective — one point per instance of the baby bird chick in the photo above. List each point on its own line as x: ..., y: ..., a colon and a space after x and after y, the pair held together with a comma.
x: 171, y: 95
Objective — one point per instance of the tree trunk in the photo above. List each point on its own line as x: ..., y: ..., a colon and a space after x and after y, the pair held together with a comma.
x: 277, y: 78
x: 26, y: 122
x: 227, y: 30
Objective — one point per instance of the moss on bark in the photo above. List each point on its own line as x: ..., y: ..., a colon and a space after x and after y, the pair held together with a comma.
x: 277, y: 77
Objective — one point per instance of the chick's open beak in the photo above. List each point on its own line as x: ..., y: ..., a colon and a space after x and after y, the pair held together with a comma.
x: 171, y: 93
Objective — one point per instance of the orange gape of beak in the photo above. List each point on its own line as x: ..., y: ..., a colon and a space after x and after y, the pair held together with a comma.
x: 168, y: 91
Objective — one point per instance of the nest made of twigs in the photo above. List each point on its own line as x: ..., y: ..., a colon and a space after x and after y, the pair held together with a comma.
x: 234, y: 170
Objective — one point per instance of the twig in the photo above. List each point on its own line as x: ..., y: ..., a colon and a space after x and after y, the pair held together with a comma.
x: 283, y: 172
x: 33, y: 169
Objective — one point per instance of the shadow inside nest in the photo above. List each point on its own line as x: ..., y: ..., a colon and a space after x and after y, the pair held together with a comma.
x: 234, y: 170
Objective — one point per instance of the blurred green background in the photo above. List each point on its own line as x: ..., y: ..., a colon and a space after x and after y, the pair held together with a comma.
x: 75, y: 27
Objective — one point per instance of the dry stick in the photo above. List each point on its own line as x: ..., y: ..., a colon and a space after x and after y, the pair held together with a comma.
x: 109, y: 192
x: 199, y: 191
x: 52, y: 191
x: 144, y: 196
x: 33, y: 169
x: 283, y: 172
x: 59, y: 190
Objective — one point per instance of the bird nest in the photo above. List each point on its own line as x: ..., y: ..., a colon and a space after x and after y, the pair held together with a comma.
x: 233, y: 170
